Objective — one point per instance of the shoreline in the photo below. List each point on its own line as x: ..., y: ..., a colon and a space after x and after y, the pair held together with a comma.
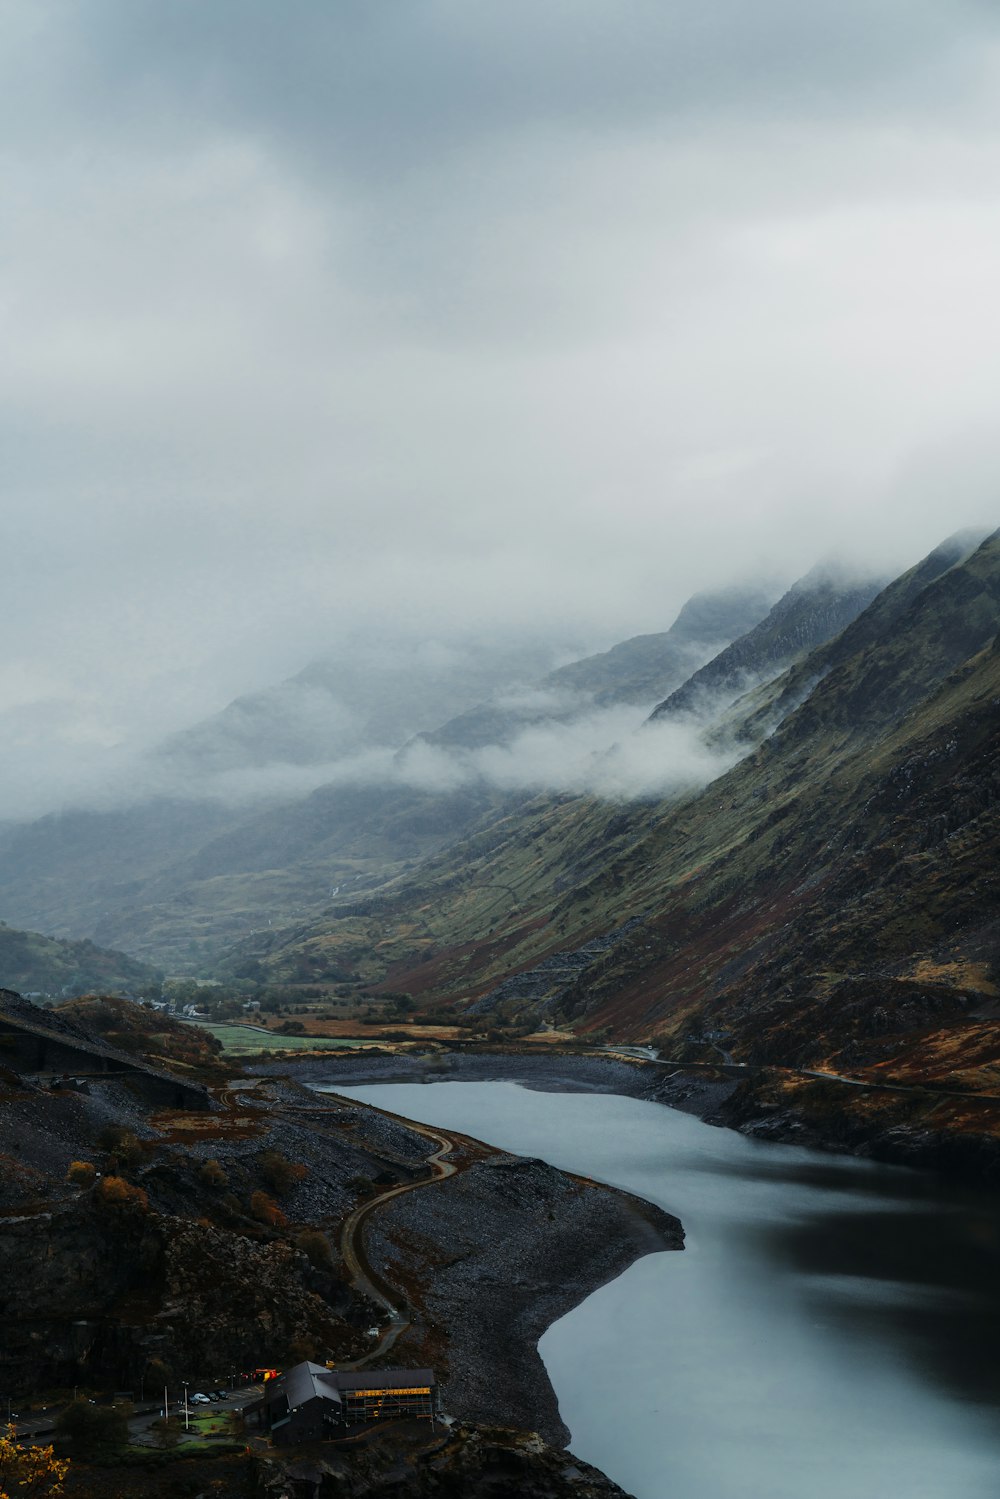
x: 819, y: 1115
x: 489, y: 1257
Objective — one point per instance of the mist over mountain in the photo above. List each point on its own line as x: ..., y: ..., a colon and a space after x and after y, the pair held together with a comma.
x: 815, y: 608
x: 634, y: 672
x: 830, y: 899
x: 368, y: 697
x: 473, y: 487
x: 307, y: 792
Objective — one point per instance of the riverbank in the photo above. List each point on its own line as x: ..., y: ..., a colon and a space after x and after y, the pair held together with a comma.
x: 489, y: 1259
x: 955, y: 1134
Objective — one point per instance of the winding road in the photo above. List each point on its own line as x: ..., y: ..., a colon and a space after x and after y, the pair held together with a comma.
x: 351, y: 1246
x: 364, y: 1278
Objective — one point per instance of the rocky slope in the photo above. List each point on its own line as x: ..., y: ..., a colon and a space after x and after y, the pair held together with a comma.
x: 521, y: 1244
x: 471, y: 1462
x: 210, y: 1241
x: 815, y: 609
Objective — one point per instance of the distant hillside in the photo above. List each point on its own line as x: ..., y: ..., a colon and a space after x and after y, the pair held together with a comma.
x: 368, y: 696
x: 644, y: 668
x: 814, y: 609
x: 33, y: 964
x: 637, y: 671
x: 831, y: 901
x: 178, y: 876
x: 178, y: 880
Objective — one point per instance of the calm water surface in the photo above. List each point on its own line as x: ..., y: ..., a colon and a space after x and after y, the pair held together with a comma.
x: 832, y: 1328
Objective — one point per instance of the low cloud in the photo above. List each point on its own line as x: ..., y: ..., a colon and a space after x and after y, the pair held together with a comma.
x: 614, y: 753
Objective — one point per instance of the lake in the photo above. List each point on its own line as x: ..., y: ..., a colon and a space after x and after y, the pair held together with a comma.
x: 832, y: 1327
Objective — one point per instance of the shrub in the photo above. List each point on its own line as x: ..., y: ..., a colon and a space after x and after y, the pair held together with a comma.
x: 266, y: 1210
x: 167, y: 1431
x: 91, y: 1430
x: 213, y: 1175
x: 279, y: 1173
x: 81, y: 1173
x: 116, y: 1192
x: 316, y: 1247
x: 122, y: 1144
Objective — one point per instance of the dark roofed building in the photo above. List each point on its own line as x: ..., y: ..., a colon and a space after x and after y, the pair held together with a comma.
x: 310, y: 1402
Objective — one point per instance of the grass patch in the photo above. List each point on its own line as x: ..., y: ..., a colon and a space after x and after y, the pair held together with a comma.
x: 244, y: 1040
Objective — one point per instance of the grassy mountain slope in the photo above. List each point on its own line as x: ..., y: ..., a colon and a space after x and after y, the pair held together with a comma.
x: 33, y: 964
x: 857, y: 845
x: 178, y: 881
x: 540, y: 842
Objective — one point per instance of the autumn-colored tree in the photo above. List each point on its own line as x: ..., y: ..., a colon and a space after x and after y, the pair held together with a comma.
x: 29, y: 1472
x: 213, y: 1175
x: 266, y: 1210
x: 81, y: 1173
x: 116, y: 1192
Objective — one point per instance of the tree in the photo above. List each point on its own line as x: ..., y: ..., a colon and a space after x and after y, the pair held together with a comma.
x: 279, y: 1173
x: 92, y: 1429
x: 168, y: 1431
x: 81, y: 1173
x: 316, y: 1247
x: 116, y: 1192
x: 266, y: 1210
x: 29, y: 1472
x: 158, y: 1373
x: 122, y: 1145
x: 213, y: 1174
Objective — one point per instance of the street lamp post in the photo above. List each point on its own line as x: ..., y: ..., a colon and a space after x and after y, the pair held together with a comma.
x: 187, y: 1414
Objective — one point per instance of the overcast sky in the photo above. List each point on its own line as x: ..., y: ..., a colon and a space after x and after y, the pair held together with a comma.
x: 448, y: 316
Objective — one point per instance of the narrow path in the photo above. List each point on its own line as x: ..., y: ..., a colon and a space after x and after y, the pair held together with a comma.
x: 363, y: 1276
x: 351, y: 1245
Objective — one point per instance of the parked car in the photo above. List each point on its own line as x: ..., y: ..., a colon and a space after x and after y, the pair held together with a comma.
x: 200, y: 1400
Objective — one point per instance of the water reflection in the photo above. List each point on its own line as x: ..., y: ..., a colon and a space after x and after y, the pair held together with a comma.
x: 926, y: 1285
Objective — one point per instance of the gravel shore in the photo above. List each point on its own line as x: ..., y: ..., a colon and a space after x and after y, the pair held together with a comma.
x: 491, y: 1258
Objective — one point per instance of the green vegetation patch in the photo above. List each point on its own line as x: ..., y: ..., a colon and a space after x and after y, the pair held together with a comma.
x: 244, y: 1040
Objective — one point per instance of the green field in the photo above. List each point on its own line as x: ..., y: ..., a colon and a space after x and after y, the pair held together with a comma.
x: 245, y: 1039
